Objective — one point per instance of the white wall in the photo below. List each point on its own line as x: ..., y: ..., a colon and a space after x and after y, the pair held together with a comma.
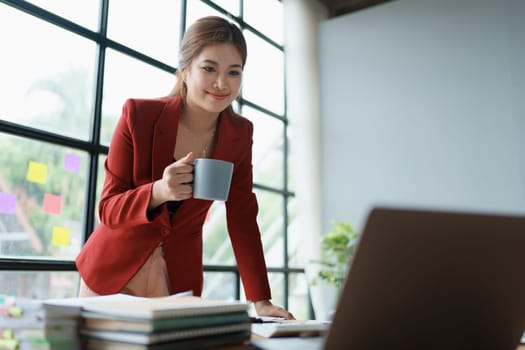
x: 423, y: 104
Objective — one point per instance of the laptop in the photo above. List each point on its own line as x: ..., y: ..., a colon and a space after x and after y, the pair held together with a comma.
x: 427, y: 279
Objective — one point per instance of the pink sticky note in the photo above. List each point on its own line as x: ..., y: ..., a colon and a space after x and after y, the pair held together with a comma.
x: 7, y: 203
x: 52, y: 204
x: 71, y: 162
x: 4, y: 311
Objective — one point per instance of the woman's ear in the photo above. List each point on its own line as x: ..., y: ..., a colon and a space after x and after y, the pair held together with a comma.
x: 184, y: 75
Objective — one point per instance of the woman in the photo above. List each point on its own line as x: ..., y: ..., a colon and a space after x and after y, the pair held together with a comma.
x: 149, y: 242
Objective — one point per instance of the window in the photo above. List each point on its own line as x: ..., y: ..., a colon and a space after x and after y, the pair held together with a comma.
x: 66, y: 71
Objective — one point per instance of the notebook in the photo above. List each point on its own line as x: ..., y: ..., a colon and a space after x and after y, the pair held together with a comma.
x: 288, y: 328
x: 167, y: 336
x: 160, y: 307
x: 427, y: 279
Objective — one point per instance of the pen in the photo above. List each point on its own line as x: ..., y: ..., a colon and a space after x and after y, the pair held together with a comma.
x: 261, y: 320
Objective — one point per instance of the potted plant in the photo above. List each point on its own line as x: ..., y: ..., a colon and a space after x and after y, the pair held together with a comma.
x: 329, y: 272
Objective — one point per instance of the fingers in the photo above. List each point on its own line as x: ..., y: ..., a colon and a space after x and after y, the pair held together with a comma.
x: 280, y: 312
x: 190, y: 158
x: 187, y: 159
x: 178, y: 177
x: 266, y: 308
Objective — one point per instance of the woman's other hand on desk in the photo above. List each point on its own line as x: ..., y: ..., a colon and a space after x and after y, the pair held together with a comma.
x: 266, y: 308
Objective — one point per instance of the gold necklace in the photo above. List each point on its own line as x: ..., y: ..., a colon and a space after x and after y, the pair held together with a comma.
x: 208, y: 145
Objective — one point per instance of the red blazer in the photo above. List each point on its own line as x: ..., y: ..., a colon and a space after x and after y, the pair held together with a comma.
x: 141, y: 147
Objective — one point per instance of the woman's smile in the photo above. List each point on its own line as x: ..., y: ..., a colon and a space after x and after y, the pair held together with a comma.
x: 218, y: 96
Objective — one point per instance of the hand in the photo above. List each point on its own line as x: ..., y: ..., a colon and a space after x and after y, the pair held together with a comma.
x: 175, y: 184
x: 266, y: 308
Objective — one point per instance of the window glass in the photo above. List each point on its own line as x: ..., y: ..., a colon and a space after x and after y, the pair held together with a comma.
x: 41, y: 198
x: 271, y: 224
x: 295, y: 236
x: 263, y: 77
x: 298, y: 301
x: 45, y: 84
x: 258, y: 13
x: 48, y: 83
x: 39, y: 284
x: 84, y: 13
x: 198, y: 9
x: 292, y: 161
x: 217, y: 247
x: 101, y: 174
x: 152, y: 30
x: 126, y: 77
x: 267, y: 155
x: 277, y: 286
x: 232, y: 6
x: 219, y: 285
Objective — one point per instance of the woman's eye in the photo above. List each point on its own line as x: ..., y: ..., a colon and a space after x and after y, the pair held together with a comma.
x: 208, y: 69
x: 235, y: 72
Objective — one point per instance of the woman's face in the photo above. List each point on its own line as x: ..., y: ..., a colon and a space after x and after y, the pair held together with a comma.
x: 214, y: 78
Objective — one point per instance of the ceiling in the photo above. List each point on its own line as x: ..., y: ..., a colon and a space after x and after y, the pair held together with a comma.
x: 341, y: 7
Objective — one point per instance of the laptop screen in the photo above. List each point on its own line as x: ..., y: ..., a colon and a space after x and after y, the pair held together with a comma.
x: 434, y: 279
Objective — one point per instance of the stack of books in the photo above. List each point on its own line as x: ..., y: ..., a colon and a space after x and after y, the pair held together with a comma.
x: 27, y: 324
x: 185, y: 322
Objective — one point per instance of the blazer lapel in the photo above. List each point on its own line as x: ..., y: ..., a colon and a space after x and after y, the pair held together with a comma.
x: 226, y: 138
x: 164, y: 136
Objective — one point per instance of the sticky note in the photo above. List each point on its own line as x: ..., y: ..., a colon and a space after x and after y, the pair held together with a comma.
x: 4, y: 311
x: 7, y: 333
x: 15, y: 311
x: 9, y: 344
x: 7, y: 203
x: 71, y: 162
x: 37, y: 172
x: 60, y: 236
x: 52, y: 204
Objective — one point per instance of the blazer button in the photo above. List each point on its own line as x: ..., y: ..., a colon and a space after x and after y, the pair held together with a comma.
x: 165, y: 232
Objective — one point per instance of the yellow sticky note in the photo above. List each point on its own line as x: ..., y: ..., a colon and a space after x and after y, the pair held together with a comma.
x: 15, y: 311
x: 37, y: 172
x: 9, y: 344
x: 7, y: 334
x: 60, y: 236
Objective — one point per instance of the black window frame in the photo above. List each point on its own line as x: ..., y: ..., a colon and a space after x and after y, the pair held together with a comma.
x: 95, y: 149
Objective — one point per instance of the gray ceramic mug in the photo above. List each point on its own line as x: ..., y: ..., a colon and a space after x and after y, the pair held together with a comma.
x: 212, y: 179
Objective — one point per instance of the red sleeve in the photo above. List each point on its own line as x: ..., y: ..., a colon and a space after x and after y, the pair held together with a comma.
x: 123, y: 202
x: 244, y: 231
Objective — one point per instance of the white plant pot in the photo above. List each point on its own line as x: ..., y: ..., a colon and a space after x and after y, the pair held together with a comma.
x: 324, y: 301
x: 324, y: 296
